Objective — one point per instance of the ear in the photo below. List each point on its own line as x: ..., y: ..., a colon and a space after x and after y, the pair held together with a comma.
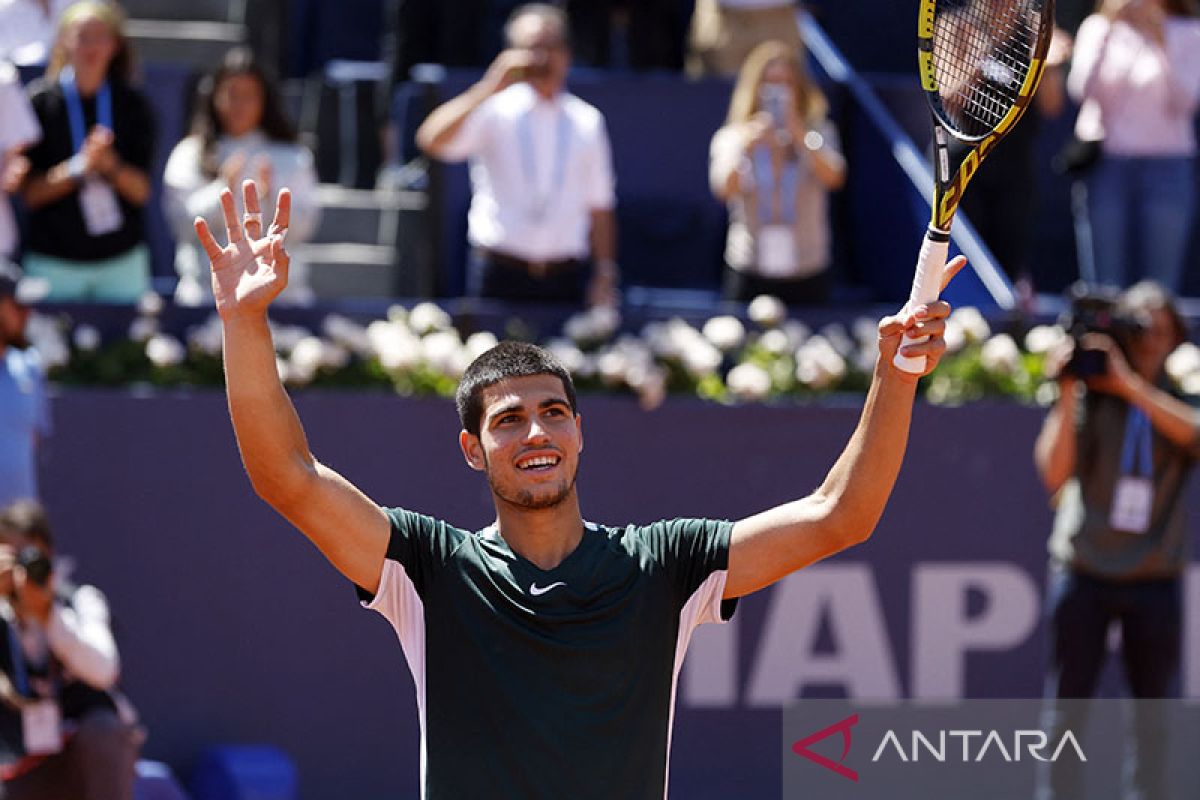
x: 579, y: 430
x: 472, y: 450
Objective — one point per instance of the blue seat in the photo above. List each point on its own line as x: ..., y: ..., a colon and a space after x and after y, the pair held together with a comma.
x: 245, y: 772
x: 155, y: 781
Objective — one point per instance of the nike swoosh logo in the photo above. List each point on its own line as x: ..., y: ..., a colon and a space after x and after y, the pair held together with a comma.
x: 538, y: 591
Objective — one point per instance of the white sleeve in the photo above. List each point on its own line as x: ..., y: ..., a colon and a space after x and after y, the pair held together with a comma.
x: 301, y: 178
x: 81, y: 639
x: 18, y: 124
x: 724, y: 158
x: 600, y: 190
x: 1090, y: 43
x: 187, y: 193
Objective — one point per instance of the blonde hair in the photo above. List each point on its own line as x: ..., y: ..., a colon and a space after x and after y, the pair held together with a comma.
x: 808, y: 99
x: 121, y: 65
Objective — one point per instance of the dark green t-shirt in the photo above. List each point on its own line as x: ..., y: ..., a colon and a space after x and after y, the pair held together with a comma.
x: 553, y: 683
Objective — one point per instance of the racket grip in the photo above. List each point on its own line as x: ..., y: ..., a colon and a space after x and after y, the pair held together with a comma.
x: 927, y: 285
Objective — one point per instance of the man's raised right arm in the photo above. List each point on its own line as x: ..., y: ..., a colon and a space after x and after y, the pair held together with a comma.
x: 345, y: 525
x: 446, y: 121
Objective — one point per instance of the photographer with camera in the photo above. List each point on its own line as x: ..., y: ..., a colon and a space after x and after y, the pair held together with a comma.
x: 1114, y: 454
x: 65, y: 732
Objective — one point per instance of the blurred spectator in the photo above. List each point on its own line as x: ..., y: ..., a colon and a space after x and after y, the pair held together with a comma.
x: 1136, y: 75
x: 28, y: 28
x: 654, y: 32
x: 1002, y: 217
x: 88, y: 178
x: 541, y: 171
x: 774, y: 162
x: 239, y: 131
x: 724, y: 32
x: 1115, y: 454
x: 24, y: 412
x: 18, y: 129
x: 65, y: 730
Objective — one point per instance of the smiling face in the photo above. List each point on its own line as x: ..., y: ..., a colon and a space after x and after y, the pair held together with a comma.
x: 528, y: 444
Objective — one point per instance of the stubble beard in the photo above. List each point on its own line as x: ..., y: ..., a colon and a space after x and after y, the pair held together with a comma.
x: 524, y: 498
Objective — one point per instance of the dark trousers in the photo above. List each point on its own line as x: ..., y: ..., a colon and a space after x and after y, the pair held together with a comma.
x: 502, y: 280
x: 96, y: 764
x: 1081, y: 608
x: 742, y: 288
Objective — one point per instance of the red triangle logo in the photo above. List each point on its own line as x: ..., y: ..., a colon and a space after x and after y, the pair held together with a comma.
x: 801, y: 748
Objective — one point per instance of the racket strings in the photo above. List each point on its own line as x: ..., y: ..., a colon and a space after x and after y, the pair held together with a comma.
x: 982, y: 52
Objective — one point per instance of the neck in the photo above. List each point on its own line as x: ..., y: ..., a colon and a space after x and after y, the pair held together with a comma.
x: 547, y: 90
x: 88, y: 82
x: 545, y: 536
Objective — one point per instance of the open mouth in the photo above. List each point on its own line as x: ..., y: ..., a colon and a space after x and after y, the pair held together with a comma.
x: 538, y: 463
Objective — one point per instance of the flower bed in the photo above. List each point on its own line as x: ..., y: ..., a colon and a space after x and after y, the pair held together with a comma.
x: 418, y: 351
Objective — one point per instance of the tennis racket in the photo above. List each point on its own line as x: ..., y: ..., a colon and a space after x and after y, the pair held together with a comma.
x: 980, y: 62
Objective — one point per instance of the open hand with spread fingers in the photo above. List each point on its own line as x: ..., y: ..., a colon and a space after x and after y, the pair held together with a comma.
x: 250, y: 271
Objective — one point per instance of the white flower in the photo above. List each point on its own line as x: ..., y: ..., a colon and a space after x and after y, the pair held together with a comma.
x: 749, y: 382
x: 427, y: 318
x: 287, y: 336
x: 797, y: 333
x: 397, y: 313
x: 86, y: 338
x: 592, y: 326
x: 974, y: 327
x: 652, y: 388
x: 165, y: 350
x: 443, y: 351
x: 479, y: 343
x: 835, y: 334
x: 1042, y: 339
x: 725, y: 332
x: 700, y: 357
x: 637, y: 353
x: 1046, y: 394
x: 150, y: 304
x: 47, y: 338
x: 207, y: 338
x: 1183, y: 362
x: 818, y: 364
x: 570, y: 356
x: 347, y: 333
x: 611, y: 364
x: 866, y: 330
x: 1000, y: 355
x: 306, y: 356
x: 775, y: 342
x: 394, y: 345
x: 281, y: 369
x: 1191, y: 384
x: 142, y: 328
x: 767, y: 311
x: 334, y: 356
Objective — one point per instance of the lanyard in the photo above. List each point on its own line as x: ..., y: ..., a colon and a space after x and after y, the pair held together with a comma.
x: 1137, y: 445
x: 20, y: 678
x: 764, y: 180
x: 104, y: 117
x: 529, y: 163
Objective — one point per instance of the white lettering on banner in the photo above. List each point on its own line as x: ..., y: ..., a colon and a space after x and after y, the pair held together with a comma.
x: 943, y: 632
x: 862, y: 661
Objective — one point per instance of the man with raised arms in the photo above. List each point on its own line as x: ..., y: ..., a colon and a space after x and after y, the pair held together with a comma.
x: 545, y: 649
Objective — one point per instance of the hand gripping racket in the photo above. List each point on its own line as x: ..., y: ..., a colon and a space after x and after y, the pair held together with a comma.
x: 980, y: 62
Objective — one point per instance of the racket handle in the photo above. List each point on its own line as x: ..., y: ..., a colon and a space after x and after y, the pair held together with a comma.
x: 927, y: 285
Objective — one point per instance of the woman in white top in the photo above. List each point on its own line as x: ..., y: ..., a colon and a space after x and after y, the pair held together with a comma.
x: 1136, y: 75
x: 239, y: 131
x: 774, y: 163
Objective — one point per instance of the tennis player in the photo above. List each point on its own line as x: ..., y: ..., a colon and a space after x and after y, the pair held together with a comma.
x: 545, y: 649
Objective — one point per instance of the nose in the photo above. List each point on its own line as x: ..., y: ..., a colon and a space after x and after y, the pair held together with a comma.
x: 537, y: 431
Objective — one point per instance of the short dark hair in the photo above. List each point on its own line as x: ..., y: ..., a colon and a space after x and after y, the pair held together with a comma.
x: 505, y: 360
x: 26, y: 518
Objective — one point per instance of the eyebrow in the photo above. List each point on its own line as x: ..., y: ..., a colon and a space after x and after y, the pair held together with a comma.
x: 514, y: 407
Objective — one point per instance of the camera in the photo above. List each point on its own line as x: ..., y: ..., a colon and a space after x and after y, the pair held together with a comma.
x: 775, y: 99
x: 37, y: 566
x: 1093, y: 310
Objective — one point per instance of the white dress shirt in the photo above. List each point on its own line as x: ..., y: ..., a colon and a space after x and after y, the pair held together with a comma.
x: 538, y: 169
x: 1138, y: 96
x: 27, y: 31
x: 18, y: 128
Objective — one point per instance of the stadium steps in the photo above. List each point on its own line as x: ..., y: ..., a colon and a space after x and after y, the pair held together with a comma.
x: 199, y: 44
x: 190, y: 11
x: 353, y: 252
